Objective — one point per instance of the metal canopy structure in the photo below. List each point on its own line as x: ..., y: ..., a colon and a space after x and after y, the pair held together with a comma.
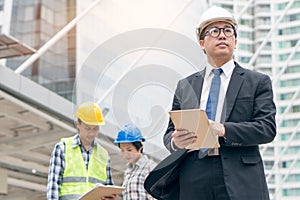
x: 11, y: 47
x: 26, y: 141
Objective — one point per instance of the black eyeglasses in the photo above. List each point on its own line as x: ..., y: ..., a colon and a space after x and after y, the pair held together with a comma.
x: 215, y: 31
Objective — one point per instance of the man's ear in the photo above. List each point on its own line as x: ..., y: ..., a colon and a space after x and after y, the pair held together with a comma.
x: 76, y: 123
x: 201, y: 43
x: 140, y: 150
x: 235, y: 43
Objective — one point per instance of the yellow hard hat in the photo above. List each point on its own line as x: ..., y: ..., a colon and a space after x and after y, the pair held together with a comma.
x: 90, y: 113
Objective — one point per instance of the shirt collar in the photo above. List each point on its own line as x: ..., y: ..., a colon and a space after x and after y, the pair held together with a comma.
x: 140, y: 162
x: 227, y: 68
x: 77, y: 142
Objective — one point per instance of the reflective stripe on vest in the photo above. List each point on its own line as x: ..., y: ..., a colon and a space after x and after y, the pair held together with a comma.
x: 69, y: 196
x: 76, y: 179
x: 82, y: 179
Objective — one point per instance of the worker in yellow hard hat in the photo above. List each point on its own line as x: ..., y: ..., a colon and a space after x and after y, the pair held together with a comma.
x: 79, y: 163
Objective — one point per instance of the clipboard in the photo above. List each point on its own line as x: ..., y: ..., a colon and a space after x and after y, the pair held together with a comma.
x: 102, y: 191
x: 195, y: 120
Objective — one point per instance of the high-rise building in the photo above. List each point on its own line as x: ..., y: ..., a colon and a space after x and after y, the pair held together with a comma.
x: 268, y: 41
x: 35, y: 22
x: 1, y: 14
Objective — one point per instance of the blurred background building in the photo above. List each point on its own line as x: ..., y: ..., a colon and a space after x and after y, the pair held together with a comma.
x: 57, y: 54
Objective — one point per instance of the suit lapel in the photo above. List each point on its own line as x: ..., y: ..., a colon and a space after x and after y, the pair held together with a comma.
x: 197, y: 84
x: 232, y: 91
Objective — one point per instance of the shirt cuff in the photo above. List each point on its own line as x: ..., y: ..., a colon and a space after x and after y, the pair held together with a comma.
x: 173, y: 146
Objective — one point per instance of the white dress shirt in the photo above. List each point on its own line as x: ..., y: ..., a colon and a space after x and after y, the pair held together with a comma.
x: 225, y: 78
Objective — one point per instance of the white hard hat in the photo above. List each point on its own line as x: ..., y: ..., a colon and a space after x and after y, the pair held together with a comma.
x: 215, y: 14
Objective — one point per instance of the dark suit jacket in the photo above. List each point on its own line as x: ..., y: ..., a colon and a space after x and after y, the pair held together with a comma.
x: 163, y: 181
x: 249, y: 119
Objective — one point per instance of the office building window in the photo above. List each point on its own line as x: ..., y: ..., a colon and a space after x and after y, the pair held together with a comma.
x: 291, y: 192
x: 1, y: 4
x: 290, y: 123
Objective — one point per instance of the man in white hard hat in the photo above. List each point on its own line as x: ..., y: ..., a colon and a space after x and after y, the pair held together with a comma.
x: 239, y: 104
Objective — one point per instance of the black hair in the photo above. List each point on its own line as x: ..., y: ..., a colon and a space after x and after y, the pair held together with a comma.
x: 137, y: 145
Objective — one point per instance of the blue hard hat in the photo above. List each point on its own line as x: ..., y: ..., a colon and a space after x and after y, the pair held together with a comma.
x: 130, y: 133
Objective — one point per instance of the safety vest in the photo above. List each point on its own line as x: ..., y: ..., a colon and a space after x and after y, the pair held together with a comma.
x: 76, y: 179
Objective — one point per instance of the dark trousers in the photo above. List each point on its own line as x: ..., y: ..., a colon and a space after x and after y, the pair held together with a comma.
x: 202, y: 179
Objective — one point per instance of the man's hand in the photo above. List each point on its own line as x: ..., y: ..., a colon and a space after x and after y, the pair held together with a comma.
x: 217, y: 128
x: 182, y: 138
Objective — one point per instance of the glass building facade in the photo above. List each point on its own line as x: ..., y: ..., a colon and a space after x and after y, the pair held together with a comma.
x: 35, y: 22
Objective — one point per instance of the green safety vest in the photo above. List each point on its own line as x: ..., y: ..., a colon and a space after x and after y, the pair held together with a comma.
x: 76, y: 179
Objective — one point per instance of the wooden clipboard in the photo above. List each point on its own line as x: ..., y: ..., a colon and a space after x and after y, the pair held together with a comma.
x: 195, y: 120
x: 102, y: 191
